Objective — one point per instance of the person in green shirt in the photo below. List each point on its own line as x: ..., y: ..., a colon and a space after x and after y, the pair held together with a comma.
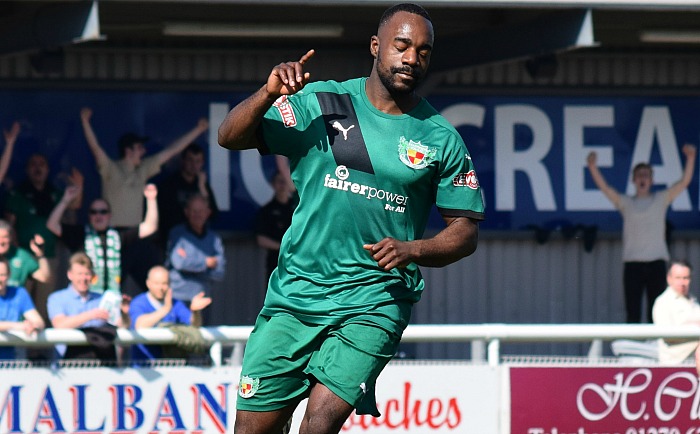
x: 369, y: 158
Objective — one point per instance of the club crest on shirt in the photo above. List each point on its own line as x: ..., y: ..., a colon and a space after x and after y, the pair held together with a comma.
x: 286, y: 111
x: 414, y: 154
x: 248, y: 386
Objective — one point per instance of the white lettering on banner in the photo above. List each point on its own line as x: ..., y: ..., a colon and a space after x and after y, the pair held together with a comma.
x: 655, y: 129
x: 219, y: 164
x: 576, y: 119
x: 620, y: 393
x: 508, y: 160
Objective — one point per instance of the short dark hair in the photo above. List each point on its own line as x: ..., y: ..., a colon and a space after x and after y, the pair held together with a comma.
x: 640, y: 166
x: 411, y: 8
x: 194, y: 149
x: 128, y: 140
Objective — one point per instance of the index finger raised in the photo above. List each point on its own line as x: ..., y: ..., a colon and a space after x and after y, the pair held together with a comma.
x: 309, y: 54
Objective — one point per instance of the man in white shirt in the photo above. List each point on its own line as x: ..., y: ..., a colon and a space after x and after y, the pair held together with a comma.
x: 675, y: 306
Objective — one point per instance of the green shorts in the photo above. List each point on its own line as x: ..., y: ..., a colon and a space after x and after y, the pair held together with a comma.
x: 283, y: 354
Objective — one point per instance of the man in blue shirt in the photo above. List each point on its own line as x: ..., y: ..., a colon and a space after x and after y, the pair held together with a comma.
x: 78, y: 307
x: 17, y: 311
x: 157, y: 307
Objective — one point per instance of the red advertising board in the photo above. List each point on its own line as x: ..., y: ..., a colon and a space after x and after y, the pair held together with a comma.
x: 597, y: 400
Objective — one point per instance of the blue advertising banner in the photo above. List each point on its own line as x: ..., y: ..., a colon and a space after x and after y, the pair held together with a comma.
x: 529, y: 152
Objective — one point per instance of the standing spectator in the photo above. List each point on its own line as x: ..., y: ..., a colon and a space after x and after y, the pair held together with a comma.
x: 17, y: 311
x: 273, y: 219
x: 28, y: 208
x: 644, y: 247
x: 123, y: 180
x: 103, y: 243
x: 195, y: 255
x: 76, y: 307
x: 674, y: 307
x: 157, y: 307
x: 23, y: 264
x: 370, y: 158
x: 179, y: 186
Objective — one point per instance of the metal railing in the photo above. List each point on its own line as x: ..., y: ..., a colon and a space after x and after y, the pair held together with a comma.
x: 485, y: 338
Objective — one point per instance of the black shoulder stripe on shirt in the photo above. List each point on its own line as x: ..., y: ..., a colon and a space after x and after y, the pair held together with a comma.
x: 344, y: 134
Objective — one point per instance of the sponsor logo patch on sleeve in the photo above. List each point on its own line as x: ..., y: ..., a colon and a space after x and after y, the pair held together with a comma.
x: 286, y: 111
x: 466, y: 180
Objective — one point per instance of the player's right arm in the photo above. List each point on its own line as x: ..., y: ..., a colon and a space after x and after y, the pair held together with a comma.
x: 609, y: 192
x: 238, y: 130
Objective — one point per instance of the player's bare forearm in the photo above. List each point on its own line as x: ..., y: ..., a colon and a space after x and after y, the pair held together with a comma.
x: 458, y: 240
x: 237, y: 131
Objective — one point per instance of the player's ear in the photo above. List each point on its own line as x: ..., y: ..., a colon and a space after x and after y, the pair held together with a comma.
x: 374, y: 46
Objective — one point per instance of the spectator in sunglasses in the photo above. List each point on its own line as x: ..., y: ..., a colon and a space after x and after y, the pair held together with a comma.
x: 99, y: 240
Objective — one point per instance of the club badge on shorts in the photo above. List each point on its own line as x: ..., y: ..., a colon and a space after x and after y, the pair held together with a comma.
x: 414, y: 154
x: 248, y: 386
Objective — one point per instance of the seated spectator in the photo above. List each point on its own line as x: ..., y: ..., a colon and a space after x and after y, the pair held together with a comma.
x: 157, y: 308
x: 17, y: 311
x: 195, y: 255
x: 103, y: 243
x: 23, y: 264
x: 675, y: 306
x: 76, y: 307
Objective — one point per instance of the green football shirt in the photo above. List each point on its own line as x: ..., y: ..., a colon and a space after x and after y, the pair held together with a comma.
x: 362, y: 175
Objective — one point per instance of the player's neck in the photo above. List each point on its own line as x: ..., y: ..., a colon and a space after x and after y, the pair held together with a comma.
x: 386, y: 102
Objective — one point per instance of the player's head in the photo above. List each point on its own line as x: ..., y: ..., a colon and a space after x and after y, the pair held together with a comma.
x: 678, y: 276
x: 158, y: 282
x: 402, y: 47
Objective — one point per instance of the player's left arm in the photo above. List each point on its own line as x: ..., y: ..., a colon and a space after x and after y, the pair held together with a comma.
x: 458, y: 240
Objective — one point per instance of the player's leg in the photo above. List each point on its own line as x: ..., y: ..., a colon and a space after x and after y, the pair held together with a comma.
x: 345, y: 370
x: 325, y: 412
x: 263, y: 422
x: 273, y: 381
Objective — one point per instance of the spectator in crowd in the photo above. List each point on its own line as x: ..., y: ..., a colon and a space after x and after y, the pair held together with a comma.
x: 179, y: 186
x: 28, y: 208
x: 348, y: 274
x: 103, y: 243
x: 23, y: 264
x: 17, y: 311
x: 644, y: 247
x: 675, y: 306
x: 157, y: 307
x: 123, y: 180
x: 10, y: 140
x: 76, y: 307
x: 273, y: 219
x: 195, y: 254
